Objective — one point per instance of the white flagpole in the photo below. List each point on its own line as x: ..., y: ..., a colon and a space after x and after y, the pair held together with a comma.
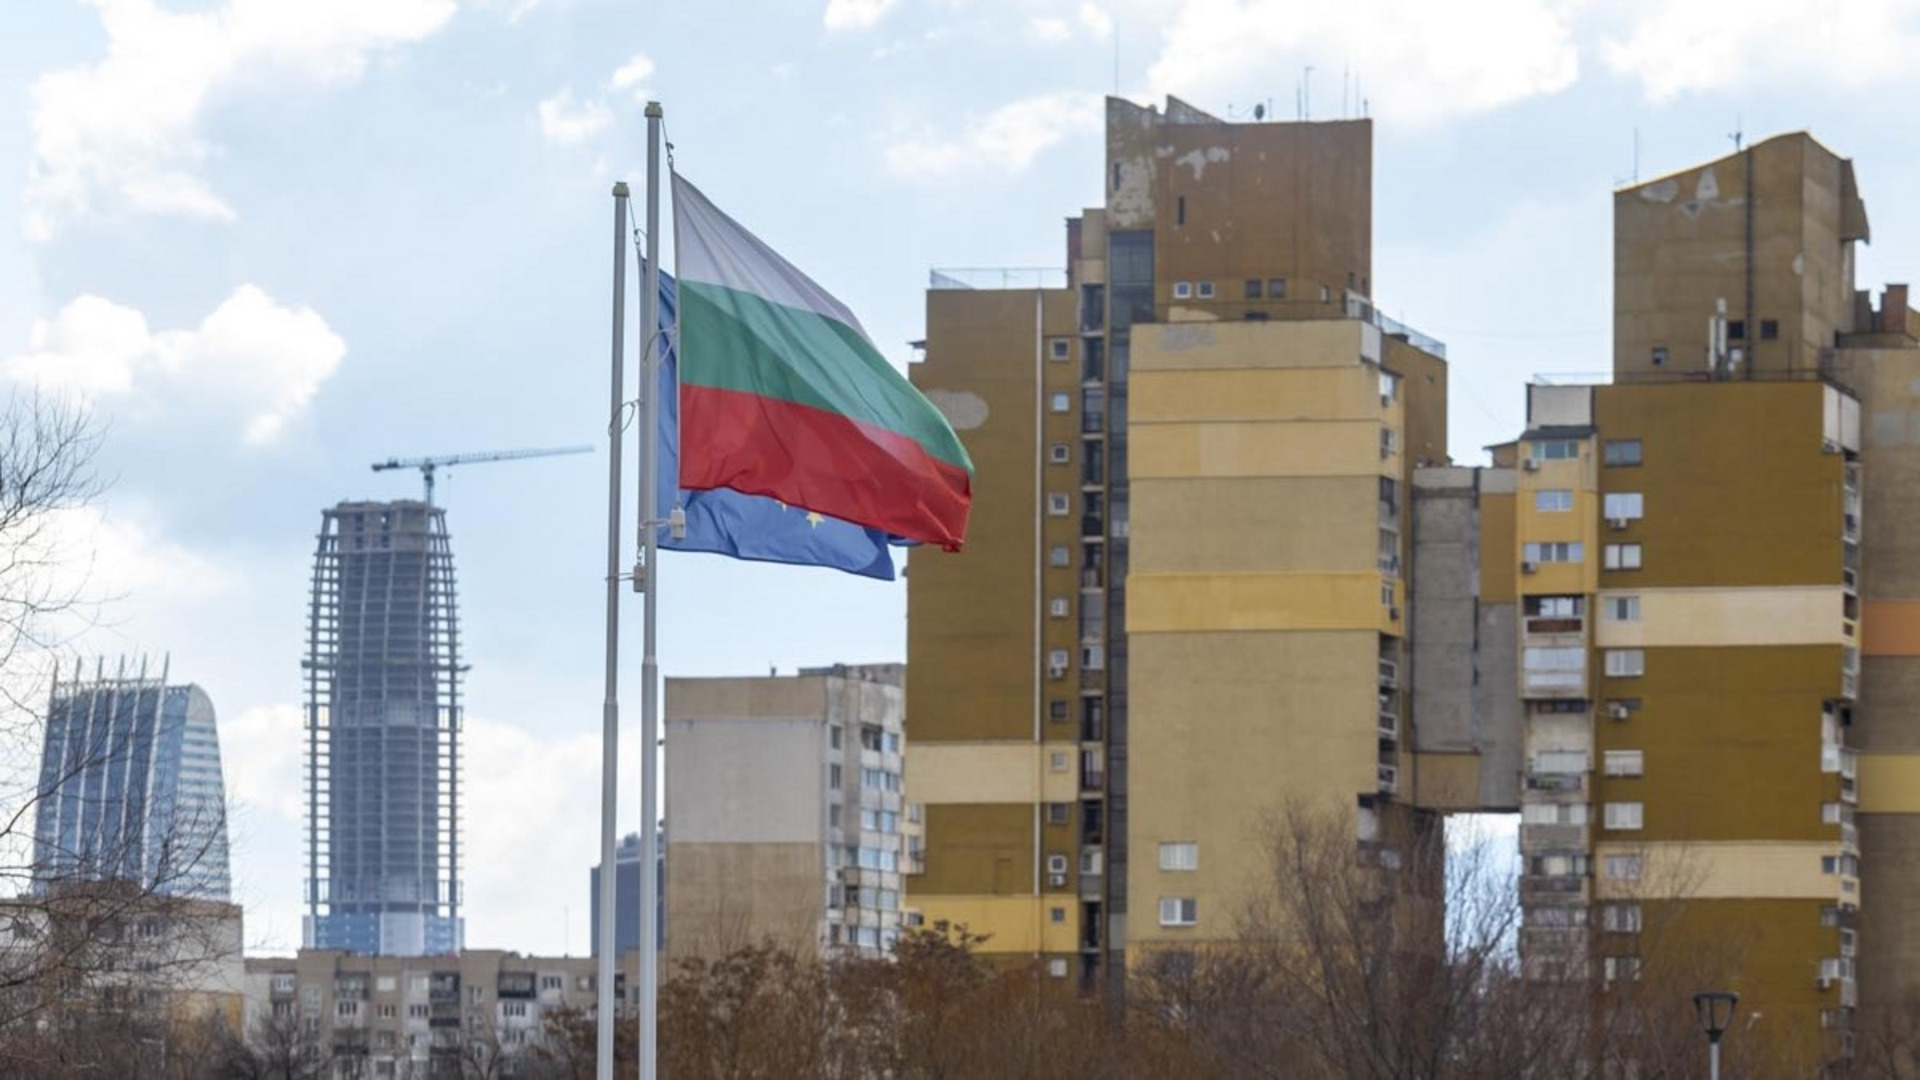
x: 647, y: 577
x: 610, y: 711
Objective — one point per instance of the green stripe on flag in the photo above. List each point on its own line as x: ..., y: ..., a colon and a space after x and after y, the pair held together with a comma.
x: 734, y: 340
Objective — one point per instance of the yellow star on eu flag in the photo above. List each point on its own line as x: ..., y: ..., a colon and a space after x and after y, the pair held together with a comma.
x: 815, y: 519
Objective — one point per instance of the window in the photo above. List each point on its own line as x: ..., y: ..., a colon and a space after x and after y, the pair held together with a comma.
x: 834, y: 778
x: 1621, y: 452
x: 1560, y: 761
x: 1737, y: 330
x: 1056, y: 710
x: 1659, y: 355
x: 833, y: 736
x: 1554, y: 450
x: 1621, y: 918
x: 1057, y: 607
x: 1277, y: 288
x: 1060, y: 402
x: 1204, y: 290
x: 1621, y: 968
x: 1623, y: 867
x: 1557, y: 551
x: 1845, y: 865
x: 1056, y: 864
x: 1623, y: 505
x: 1178, y: 911
x: 1253, y: 288
x: 1550, y: 500
x: 1059, y: 454
x: 1057, y: 555
x: 1769, y: 329
x: 1182, y: 290
x: 346, y: 1009
x: 1543, y: 659
x: 1180, y: 855
x: 1058, y: 505
x: 1622, y: 608
x: 1057, y: 813
x: 513, y: 1008
x: 1622, y: 557
x: 1059, y: 348
x: 1625, y: 815
x: 1556, y: 607
x: 1057, y: 968
x: 1057, y: 761
x: 1832, y: 813
x: 1389, y: 441
x: 1625, y: 762
x: 1553, y: 814
x: 1626, y: 663
x: 1057, y: 914
x: 417, y: 1011
x: 833, y: 816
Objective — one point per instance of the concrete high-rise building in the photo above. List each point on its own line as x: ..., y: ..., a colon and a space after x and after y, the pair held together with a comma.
x: 786, y: 815
x: 383, y: 733
x: 1183, y: 597
x: 130, y: 787
x: 626, y: 897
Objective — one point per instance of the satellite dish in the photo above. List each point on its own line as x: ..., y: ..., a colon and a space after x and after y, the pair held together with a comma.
x: 1259, y: 112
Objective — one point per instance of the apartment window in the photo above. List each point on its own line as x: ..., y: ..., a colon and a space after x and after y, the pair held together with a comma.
x: 1832, y: 813
x: 1623, y: 505
x: 1182, y: 290
x: 1057, y: 607
x: 1737, y: 330
x: 1769, y: 329
x: 1058, y: 505
x: 1057, y: 968
x: 1659, y: 355
x: 1253, y: 288
x: 833, y: 736
x: 1057, y: 813
x: 1057, y: 555
x: 1622, y: 557
x: 1093, y: 657
x: 1552, y: 500
x: 1057, y: 711
x: 1057, y: 914
x: 1553, y: 814
x: 1622, y: 608
x: 1623, y: 867
x: 834, y: 778
x: 417, y: 1011
x: 1059, y: 454
x: 1059, y: 348
x: 833, y: 816
x: 1543, y: 659
x: 1625, y: 762
x: 1556, y: 918
x: 1626, y: 663
x: 1554, y: 450
x: 1621, y: 968
x: 1557, y: 551
x: 1277, y: 288
x: 1555, y: 607
x: 1057, y: 761
x: 346, y: 1009
x: 513, y: 1008
x: 1060, y: 402
x: 1625, y: 815
x: 1180, y: 855
x: 1621, y: 452
x: 1326, y: 295
x: 1389, y: 442
x: 1179, y: 911
x: 1560, y: 761
x: 1204, y: 290
x: 1621, y: 918
x: 1056, y: 864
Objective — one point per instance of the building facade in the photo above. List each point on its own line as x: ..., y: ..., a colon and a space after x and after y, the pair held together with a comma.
x: 1147, y: 647
x: 383, y: 724
x: 786, y: 812
x: 626, y: 897
x: 130, y: 787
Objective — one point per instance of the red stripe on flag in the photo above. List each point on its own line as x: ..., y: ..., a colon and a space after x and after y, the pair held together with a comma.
x: 821, y: 461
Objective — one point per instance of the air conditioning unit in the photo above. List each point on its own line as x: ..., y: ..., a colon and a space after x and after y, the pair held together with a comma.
x: 1619, y: 711
x: 1619, y: 523
x: 1529, y: 567
x: 1056, y: 671
x: 1057, y: 881
x: 1531, y: 465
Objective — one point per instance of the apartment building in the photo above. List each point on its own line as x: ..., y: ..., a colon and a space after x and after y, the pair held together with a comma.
x: 787, y: 819
x: 1183, y: 599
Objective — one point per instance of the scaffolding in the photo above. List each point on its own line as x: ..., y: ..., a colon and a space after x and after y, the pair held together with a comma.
x: 383, y: 724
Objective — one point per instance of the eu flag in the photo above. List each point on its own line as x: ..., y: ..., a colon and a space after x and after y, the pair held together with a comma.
x: 726, y: 522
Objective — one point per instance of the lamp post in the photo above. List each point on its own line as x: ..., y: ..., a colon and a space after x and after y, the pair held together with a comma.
x: 1715, y: 1008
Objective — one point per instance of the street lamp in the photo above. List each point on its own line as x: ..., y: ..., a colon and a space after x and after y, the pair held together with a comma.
x: 1716, y: 1012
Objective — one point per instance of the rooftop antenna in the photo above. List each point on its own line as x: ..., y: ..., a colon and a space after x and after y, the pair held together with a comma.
x: 1306, y: 95
x: 1736, y: 134
x: 1346, y: 108
x: 1259, y: 111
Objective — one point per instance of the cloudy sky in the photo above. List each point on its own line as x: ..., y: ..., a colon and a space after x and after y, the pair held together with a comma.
x: 274, y: 240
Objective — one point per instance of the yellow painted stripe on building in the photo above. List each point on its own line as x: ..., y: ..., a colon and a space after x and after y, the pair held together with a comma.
x: 1346, y: 393
x: 992, y: 772
x: 1890, y: 628
x: 1238, y: 448
x: 1013, y: 924
x: 1713, y: 618
x: 1722, y: 870
x: 1890, y: 783
x: 1178, y: 603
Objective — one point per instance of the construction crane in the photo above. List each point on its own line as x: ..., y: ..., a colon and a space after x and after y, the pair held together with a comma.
x: 429, y: 465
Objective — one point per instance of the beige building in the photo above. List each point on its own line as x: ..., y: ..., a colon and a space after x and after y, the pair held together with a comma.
x: 786, y: 818
x: 394, y: 1018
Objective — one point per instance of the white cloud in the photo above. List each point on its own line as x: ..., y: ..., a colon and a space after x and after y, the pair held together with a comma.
x: 254, y: 360
x: 1005, y: 140
x: 1049, y: 28
x: 124, y: 134
x: 1417, y: 61
x: 1096, y: 20
x: 856, y: 14
x: 567, y: 123
x: 632, y: 76
x: 260, y: 753
x: 1681, y: 48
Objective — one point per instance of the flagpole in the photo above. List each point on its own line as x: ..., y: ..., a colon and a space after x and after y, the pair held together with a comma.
x: 604, y: 938
x: 647, y: 576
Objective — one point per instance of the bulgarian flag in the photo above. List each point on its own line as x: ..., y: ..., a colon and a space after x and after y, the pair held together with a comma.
x: 783, y: 395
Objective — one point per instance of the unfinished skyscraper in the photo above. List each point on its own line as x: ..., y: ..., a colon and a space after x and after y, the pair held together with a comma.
x: 383, y: 733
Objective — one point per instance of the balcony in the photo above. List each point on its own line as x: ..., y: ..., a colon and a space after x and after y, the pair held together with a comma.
x: 1389, y: 728
x: 1557, y: 783
x: 1092, y: 528
x: 1553, y: 683
x: 1389, y: 776
x: 1553, y: 624
x: 1553, y: 838
x: 1552, y: 886
x: 1389, y: 675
